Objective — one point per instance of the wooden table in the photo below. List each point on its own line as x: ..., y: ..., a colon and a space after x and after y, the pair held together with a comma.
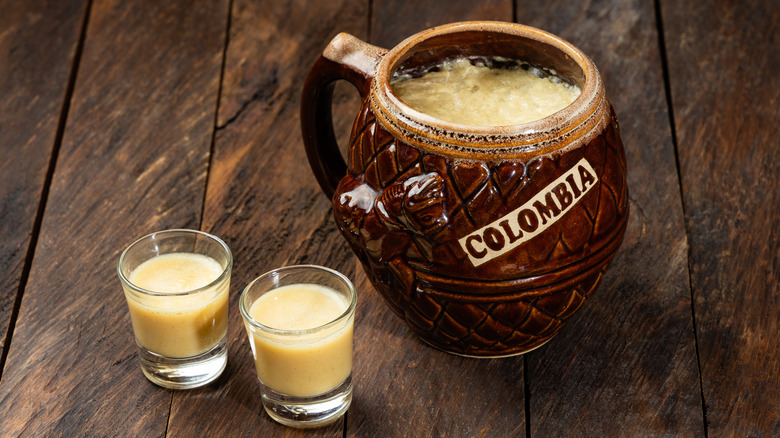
x: 119, y: 118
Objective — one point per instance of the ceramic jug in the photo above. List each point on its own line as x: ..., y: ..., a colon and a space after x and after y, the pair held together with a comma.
x: 484, y: 240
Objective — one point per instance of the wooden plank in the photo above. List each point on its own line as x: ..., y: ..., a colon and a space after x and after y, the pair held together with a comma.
x: 407, y: 388
x: 625, y: 365
x: 37, y: 47
x: 262, y: 197
x: 133, y: 160
x: 404, y: 387
x: 723, y: 62
x: 393, y: 21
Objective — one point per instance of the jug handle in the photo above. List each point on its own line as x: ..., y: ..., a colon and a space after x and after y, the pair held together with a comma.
x: 347, y: 58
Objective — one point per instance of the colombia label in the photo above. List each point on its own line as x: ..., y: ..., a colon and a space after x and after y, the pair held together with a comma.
x: 532, y: 218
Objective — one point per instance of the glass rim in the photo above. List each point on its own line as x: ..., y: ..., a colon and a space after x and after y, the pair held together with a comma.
x: 225, y: 271
x: 350, y: 310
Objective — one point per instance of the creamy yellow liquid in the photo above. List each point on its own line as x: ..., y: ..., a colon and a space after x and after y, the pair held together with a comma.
x: 309, y: 364
x: 482, y: 96
x: 179, y: 326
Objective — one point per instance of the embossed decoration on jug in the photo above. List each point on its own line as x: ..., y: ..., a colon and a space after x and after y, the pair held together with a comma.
x: 485, y: 240
x: 397, y: 178
x: 404, y: 219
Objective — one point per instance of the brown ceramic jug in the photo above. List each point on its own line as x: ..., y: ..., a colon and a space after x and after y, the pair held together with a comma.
x: 485, y: 240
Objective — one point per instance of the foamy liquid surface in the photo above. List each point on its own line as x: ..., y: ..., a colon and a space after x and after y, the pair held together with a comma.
x: 467, y: 94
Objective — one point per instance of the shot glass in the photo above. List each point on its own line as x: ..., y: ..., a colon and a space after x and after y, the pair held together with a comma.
x: 176, y: 283
x: 300, y: 323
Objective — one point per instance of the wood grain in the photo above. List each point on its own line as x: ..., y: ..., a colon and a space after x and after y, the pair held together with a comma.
x: 625, y: 365
x: 402, y: 386
x: 133, y: 160
x: 723, y: 63
x: 38, y: 44
x: 393, y: 21
x: 261, y: 197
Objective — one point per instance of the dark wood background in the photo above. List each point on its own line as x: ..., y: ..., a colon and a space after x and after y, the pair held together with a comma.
x: 119, y: 118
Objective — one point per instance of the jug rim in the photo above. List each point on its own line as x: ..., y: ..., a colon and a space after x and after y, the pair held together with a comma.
x: 568, y: 128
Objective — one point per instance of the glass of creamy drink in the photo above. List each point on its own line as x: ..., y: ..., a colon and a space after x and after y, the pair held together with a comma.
x: 176, y: 283
x: 300, y: 322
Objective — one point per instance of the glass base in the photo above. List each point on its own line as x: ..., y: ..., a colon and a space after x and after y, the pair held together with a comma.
x: 304, y: 412
x: 184, y: 373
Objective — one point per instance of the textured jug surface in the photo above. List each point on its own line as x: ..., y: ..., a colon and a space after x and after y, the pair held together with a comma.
x: 405, y: 212
x: 484, y: 239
